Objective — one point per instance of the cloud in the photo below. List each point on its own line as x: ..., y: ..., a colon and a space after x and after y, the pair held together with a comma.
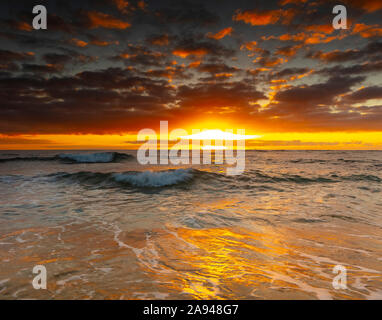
x: 39, y: 68
x: 336, y: 55
x: 110, y: 100
x: 21, y: 25
x: 363, y: 94
x: 13, y: 56
x: 265, y: 17
x: 368, y: 6
x: 216, y: 68
x: 367, y: 31
x: 288, y: 51
x: 287, y: 72
x: 78, y: 42
x: 99, y: 19
x: 256, y: 17
x: 218, y: 98
x: 305, y: 96
x: 372, y: 49
x: 368, y: 67
x: 122, y: 5
x: 170, y: 72
x: 55, y: 58
x: 182, y: 13
x: 141, y: 55
x: 220, y: 34
x: 163, y: 60
x: 262, y: 56
x: 159, y: 40
x: 191, y: 48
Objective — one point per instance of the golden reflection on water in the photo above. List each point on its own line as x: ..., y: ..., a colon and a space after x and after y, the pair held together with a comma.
x: 225, y: 258
x: 236, y: 263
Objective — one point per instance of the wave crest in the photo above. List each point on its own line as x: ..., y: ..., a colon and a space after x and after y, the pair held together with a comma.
x: 100, y: 157
x: 149, y: 179
x: 154, y: 178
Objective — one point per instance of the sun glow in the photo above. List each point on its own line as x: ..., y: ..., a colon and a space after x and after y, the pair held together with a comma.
x: 209, y: 147
x: 219, y: 135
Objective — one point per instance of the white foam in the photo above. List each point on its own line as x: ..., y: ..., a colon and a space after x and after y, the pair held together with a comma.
x: 154, y: 179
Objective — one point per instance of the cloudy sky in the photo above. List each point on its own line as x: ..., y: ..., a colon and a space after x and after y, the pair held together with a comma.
x: 106, y: 69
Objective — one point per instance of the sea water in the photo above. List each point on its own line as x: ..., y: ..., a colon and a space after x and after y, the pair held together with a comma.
x: 106, y: 227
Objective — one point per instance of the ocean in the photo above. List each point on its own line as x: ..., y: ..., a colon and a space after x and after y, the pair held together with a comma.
x: 106, y: 227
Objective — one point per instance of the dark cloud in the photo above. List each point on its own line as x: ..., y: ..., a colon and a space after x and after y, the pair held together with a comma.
x: 142, y: 55
x: 38, y: 68
x: 189, y: 47
x: 187, y: 12
x: 55, y: 58
x: 290, y: 72
x: 322, y: 93
x: 12, y: 56
x: 369, y: 51
x: 87, y: 102
x: 374, y: 92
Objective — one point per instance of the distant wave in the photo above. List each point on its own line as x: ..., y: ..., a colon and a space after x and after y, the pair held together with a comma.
x: 100, y: 157
x: 330, y: 161
x: 29, y: 159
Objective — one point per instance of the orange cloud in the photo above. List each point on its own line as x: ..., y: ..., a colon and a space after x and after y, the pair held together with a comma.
x: 102, y: 43
x: 262, y: 18
x: 194, y: 64
x: 223, y: 75
x: 126, y: 56
x: 307, y: 38
x: 162, y: 40
x: 368, y: 6
x: 323, y: 28
x: 121, y: 4
x: 257, y: 18
x: 125, y: 6
x: 274, y: 62
x: 284, y: 2
x: 78, y: 42
x: 99, y: 19
x: 288, y: 51
x: 23, y: 26
x: 221, y: 34
x: 141, y: 5
x: 366, y: 31
x: 184, y: 53
x: 250, y: 46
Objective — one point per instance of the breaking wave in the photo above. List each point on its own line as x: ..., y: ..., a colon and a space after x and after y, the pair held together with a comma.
x: 179, y: 177
x: 154, y: 179
x: 151, y: 179
x: 100, y: 157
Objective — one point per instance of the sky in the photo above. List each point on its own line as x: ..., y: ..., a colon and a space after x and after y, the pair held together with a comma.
x: 105, y: 69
